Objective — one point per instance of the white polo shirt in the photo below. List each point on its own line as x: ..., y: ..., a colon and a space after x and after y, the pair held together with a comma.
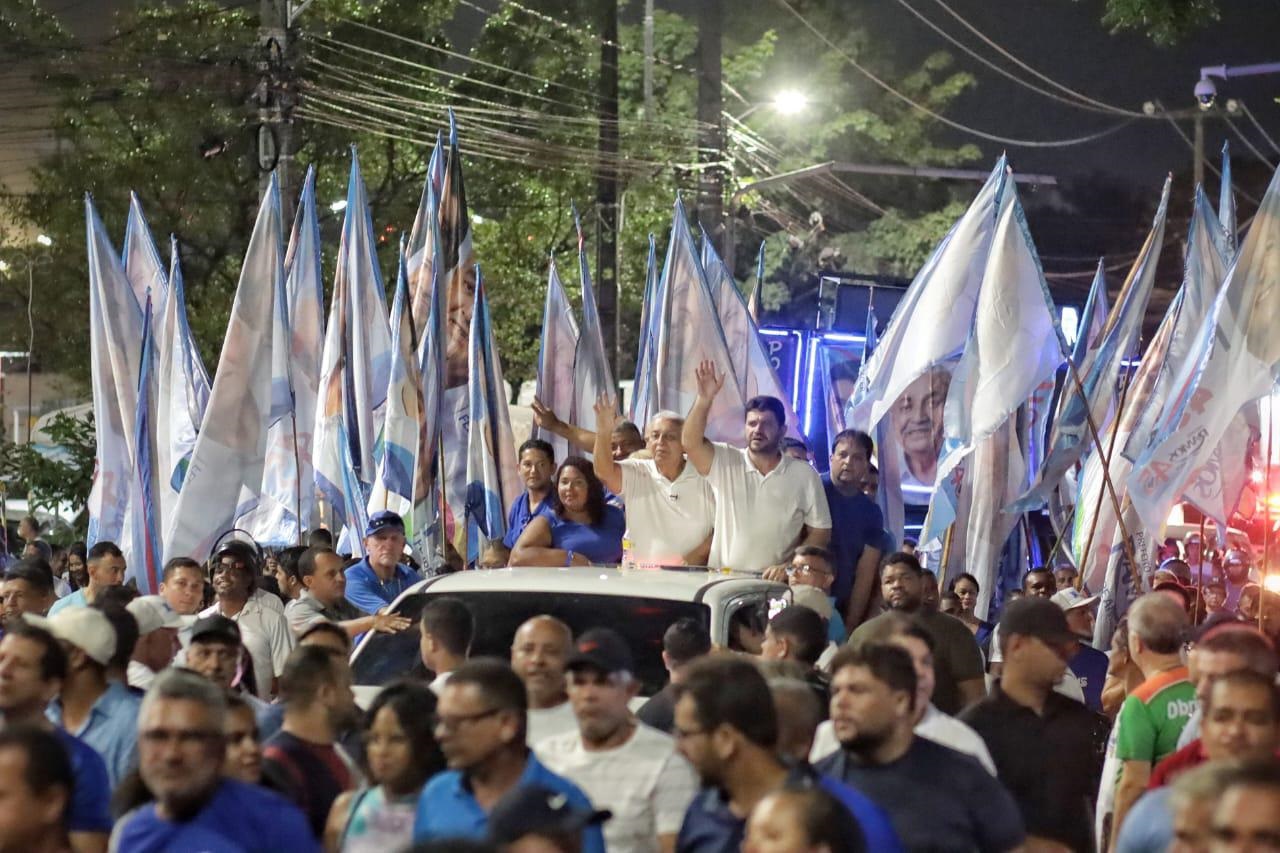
x: 666, y: 519
x: 758, y: 516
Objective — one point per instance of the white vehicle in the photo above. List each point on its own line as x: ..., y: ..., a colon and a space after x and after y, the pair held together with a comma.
x: 637, y: 603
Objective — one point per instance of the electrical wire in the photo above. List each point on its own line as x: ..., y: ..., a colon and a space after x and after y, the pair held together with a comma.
x: 1249, y: 113
x: 1247, y: 143
x: 981, y: 134
x: 1025, y: 67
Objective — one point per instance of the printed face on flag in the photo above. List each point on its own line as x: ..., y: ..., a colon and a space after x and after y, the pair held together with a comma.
x: 461, y: 296
x: 918, y: 426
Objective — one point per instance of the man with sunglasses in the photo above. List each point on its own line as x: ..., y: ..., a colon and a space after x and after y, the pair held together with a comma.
x: 480, y: 725
x: 257, y: 613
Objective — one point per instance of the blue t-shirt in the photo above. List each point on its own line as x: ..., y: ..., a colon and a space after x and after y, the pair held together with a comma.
x: 111, y: 728
x: 1089, y: 666
x: 90, y: 809
x: 370, y: 594
x: 240, y: 818
x: 601, y: 543
x: 1148, y: 827
x: 447, y: 808
x: 75, y: 599
x: 856, y: 522
x: 520, y: 516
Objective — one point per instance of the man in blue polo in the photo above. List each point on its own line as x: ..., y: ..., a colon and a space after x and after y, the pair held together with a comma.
x: 537, y: 466
x: 375, y: 581
x: 480, y: 724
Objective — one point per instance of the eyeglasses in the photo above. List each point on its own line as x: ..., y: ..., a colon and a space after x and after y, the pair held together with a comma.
x: 453, y: 722
x: 808, y: 569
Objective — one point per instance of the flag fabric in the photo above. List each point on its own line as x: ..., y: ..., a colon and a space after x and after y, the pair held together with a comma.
x: 688, y: 328
x: 141, y: 542
x: 932, y: 322
x: 399, y: 441
x: 1015, y: 345
x: 181, y: 392
x: 492, y: 483
x: 224, y: 479
x: 1093, y: 319
x: 889, y: 492
x: 1227, y: 204
x: 428, y: 528
x: 592, y: 375
x: 1090, y: 389
x: 1236, y: 358
x: 141, y: 259
x: 753, y: 304
x: 643, y: 403
x: 424, y: 239
x: 115, y: 328
x: 995, y: 473
x: 556, y: 357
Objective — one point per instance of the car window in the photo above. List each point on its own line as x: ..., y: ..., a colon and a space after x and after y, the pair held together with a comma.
x: 641, y: 622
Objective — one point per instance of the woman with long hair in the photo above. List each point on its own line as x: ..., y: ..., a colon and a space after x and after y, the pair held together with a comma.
x: 583, y: 530
x: 966, y: 588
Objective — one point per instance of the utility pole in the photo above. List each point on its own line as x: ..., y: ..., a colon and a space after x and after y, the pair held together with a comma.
x: 274, y: 99
x: 648, y: 59
x: 711, y: 149
x: 1199, y: 148
x: 607, y: 183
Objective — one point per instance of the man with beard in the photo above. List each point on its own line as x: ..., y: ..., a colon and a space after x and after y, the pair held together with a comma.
x: 302, y: 759
x: 766, y: 502
x: 537, y: 462
x: 538, y: 654
x: 857, y: 524
x: 958, y: 661
x: 623, y: 765
x: 380, y: 577
x: 937, y: 798
x: 917, y: 423
x: 181, y: 751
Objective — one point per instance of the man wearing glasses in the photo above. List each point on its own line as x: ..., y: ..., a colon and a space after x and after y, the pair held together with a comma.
x: 812, y: 566
x: 181, y: 748
x: 480, y: 725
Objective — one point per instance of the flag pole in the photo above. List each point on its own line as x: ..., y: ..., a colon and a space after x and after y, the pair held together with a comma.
x: 297, y: 470
x: 1266, y: 510
x: 946, y: 555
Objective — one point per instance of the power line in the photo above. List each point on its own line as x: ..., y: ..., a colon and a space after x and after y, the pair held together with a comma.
x: 981, y: 134
x: 1258, y: 125
x: 1248, y: 144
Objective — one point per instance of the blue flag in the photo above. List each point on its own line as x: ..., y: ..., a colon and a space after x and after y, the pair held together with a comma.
x: 556, y: 358
x: 1227, y: 204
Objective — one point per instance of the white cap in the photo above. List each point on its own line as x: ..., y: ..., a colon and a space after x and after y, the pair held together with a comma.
x: 1070, y: 599
x: 153, y: 612
x: 803, y: 595
x: 86, y: 628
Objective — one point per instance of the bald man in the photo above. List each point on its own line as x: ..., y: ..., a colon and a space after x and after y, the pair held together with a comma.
x: 538, y: 655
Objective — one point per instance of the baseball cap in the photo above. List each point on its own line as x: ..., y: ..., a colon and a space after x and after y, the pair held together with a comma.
x: 812, y: 598
x: 153, y: 613
x: 216, y: 629
x: 384, y: 520
x: 1032, y: 616
x: 86, y: 628
x: 536, y: 809
x: 602, y: 649
x: 1070, y: 599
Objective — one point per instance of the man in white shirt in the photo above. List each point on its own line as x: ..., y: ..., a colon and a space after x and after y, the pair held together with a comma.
x: 670, y: 508
x: 538, y: 654
x: 903, y: 631
x: 238, y: 599
x: 767, y: 503
x: 623, y: 765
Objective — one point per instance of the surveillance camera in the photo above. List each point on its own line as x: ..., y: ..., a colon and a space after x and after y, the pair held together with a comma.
x: 1206, y: 92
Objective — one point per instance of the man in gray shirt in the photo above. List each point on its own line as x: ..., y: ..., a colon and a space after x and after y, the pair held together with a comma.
x: 323, y: 599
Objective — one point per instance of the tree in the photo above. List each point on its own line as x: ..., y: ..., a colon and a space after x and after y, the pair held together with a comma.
x: 1163, y: 21
x: 53, y: 480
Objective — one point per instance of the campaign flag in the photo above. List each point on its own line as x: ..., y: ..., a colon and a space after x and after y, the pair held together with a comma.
x: 592, y: 375
x: 492, y: 482
x: 141, y: 542
x: 1227, y: 203
x: 424, y: 239
x: 643, y: 403
x: 115, y: 328
x: 428, y: 528
x: 888, y: 459
x: 1090, y: 388
x: 181, y: 392
x: 556, y: 358
x: 1235, y: 359
x: 688, y: 332
x: 753, y: 304
x: 932, y: 322
x: 141, y: 259
x: 224, y: 480
x: 1015, y: 345
x: 399, y: 442
x: 756, y: 376
x: 1093, y: 319
x: 996, y: 472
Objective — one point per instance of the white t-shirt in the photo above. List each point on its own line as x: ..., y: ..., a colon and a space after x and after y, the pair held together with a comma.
x: 758, y: 516
x: 544, y: 723
x: 266, y: 620
x: 437, y: 684
x: 645, y: 783
x: 666, y: 519
x: 934, y: 725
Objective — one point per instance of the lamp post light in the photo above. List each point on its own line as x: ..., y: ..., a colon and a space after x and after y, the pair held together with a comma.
x: 786, y: 102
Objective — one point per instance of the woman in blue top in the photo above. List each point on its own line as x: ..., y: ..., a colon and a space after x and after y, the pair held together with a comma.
x: 583, y: 530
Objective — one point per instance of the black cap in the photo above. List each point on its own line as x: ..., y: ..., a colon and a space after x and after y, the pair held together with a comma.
x: 535, y: 810
x: 602, y: 649
x: 216, y: 629
x: 1033, y: 616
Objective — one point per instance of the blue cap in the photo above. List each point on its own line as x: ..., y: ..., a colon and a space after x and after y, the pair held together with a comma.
x: 384, y: 520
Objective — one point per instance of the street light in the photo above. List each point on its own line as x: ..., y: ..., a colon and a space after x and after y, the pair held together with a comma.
x: 44, y: 240
x: 786, y: 102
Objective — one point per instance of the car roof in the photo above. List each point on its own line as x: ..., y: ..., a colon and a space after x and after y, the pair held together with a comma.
x: 673, y: 584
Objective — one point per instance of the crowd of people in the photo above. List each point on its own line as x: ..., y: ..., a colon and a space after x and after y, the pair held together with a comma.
x: 875, y: 712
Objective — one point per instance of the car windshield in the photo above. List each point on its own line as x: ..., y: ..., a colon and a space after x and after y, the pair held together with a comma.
x: 640, y: 621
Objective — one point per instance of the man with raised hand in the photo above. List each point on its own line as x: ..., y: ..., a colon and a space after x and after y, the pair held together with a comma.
x: 767, y: 503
